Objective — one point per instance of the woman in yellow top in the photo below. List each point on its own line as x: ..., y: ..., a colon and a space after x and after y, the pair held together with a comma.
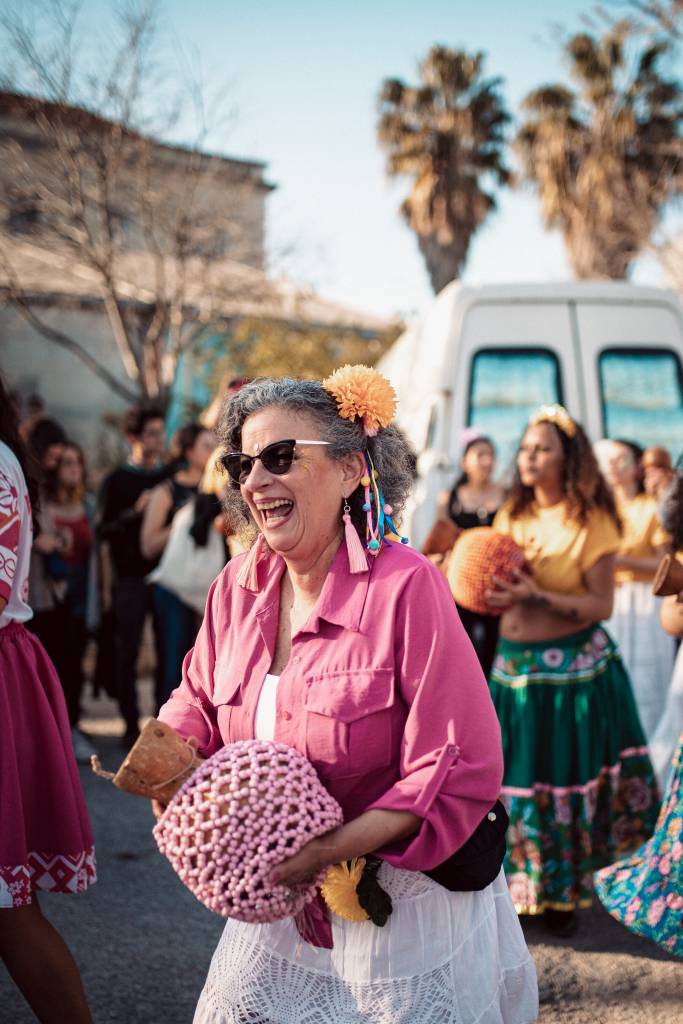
x: 578, y: 781
x: 648, y: 652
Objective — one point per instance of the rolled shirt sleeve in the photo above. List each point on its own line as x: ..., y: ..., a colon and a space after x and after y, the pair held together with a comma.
x: 451, y: 762
x: 189, y: 710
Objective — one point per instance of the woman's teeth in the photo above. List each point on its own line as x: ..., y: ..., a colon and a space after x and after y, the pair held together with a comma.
x: 275, y: 510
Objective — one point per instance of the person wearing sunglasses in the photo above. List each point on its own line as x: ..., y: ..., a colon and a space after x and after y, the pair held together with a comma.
x: 332, y: 636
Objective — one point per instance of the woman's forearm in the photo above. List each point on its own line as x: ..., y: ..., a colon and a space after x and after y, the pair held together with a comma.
x: 154, y: 541
x: 576, y: 607
x: 671, y: 616
x: 648, y: 565
x: 368, y: 832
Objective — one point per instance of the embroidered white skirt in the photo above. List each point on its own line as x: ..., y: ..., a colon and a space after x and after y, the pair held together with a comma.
x: 646, y: 650
x: 667, y: 735
x: 442, y: 958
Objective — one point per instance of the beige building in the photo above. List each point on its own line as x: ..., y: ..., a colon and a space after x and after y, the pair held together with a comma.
x: 214, y: 271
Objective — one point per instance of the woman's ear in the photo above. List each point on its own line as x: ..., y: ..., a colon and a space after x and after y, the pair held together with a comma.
x: 352, y: 469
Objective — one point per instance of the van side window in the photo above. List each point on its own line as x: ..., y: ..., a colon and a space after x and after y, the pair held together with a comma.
x: 642, y: 396
x: 506, y: 386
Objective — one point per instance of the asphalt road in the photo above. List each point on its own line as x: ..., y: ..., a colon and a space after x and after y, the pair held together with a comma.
x: 144, y: 943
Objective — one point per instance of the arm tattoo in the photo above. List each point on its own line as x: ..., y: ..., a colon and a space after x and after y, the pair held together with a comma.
x: 537, y: 601
x: 541, y: 601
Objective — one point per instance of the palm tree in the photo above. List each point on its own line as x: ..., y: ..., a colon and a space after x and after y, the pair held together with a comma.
x: 447, y: 134
x: 607, y: 158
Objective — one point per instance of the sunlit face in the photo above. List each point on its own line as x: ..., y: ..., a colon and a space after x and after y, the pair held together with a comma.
x: 198, y: 455
x: 51, y: 456
x: 656, y: 479
x: 540, y: 458
x: 621, y: 467
x: 298, y: 512
x: 152, y: 439
x: 70, y: 471
x: 478, y: 462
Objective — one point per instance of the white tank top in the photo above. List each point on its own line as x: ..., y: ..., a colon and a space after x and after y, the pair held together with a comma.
x: 264, y: 724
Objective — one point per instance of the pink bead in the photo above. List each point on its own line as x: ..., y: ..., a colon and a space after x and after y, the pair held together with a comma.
x: 275, y: 799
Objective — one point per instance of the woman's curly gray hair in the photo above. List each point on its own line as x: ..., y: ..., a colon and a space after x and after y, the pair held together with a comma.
x: 391, y: 454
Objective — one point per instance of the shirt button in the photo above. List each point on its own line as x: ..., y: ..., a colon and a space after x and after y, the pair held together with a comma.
x: 451, y: 750
x: 285, y: 716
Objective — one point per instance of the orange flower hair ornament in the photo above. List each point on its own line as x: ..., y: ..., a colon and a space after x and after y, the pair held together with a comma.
x: 363, y: 393
x: 557, y: 415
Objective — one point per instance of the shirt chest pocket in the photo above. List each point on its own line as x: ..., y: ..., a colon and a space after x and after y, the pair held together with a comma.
x: 227, y: 701
x: 350, y: 721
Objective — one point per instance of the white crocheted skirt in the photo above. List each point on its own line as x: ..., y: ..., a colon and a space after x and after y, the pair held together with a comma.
x: 442, y: 958
x: 647, y: 651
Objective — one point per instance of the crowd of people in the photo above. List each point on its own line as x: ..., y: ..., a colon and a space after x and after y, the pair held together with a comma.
x: 332, y: 636
x: 95, y: 573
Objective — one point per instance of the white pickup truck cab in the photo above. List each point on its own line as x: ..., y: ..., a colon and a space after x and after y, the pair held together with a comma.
x: 487, y: 357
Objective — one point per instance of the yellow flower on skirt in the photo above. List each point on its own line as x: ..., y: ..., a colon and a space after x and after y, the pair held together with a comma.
x: 339, y: 889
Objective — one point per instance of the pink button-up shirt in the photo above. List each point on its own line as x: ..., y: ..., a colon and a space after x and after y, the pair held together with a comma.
x: 383, y: 693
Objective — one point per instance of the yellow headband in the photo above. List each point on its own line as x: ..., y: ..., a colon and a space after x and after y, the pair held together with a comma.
x: 556, y: 414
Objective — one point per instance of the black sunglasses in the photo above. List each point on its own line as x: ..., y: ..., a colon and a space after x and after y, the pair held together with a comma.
x: 277, y: 458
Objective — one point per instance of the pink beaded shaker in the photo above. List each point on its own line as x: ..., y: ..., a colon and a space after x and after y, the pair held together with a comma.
x: 249, y: 807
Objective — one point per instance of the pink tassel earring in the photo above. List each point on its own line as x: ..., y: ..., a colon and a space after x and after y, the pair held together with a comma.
x: 247, y: 577
x: 354, y: 548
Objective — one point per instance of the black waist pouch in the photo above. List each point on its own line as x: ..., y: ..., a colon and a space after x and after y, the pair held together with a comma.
x: 477, y: 863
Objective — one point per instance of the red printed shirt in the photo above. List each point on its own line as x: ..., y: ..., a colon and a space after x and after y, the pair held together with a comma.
x: 383, y: 693
x: 16, y: 538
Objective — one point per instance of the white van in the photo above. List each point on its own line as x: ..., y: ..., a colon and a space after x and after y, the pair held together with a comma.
x: 487, y: 357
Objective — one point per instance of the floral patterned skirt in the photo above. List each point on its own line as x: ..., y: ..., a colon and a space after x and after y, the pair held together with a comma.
x: 578, y: 784
x: 645, y: 891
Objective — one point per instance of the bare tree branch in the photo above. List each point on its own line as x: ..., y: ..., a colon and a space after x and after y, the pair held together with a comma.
x: 21, y: 304
x: 139, y: 222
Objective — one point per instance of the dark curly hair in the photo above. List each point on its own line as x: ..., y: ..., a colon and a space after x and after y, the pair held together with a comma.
x: 637, y: 455
x: 52, y: 489
x: 671, y: 511
x: 136, y: 417
x: 584, y: 486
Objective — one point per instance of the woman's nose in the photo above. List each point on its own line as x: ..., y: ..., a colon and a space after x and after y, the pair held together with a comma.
x: 258, y: 476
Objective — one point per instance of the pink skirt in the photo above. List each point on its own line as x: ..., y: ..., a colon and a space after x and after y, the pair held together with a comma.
x: 46, y: 841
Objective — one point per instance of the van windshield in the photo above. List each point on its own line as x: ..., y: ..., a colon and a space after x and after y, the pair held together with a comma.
x: 506, y: 386
x: 642, y: 397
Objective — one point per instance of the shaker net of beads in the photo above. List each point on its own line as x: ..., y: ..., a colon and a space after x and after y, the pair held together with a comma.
x: 250, y: 806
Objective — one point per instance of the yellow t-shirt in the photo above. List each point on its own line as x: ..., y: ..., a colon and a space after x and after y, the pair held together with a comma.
x: 559, y: 549
x: 643, y: 534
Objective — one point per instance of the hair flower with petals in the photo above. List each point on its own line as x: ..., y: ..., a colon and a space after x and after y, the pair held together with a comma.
x: 362, y: 393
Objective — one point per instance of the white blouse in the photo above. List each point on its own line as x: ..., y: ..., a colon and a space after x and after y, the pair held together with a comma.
x: 264, y: 725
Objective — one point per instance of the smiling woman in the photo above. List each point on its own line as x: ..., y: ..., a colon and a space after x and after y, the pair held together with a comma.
x: 333, y: 638
x: 580, y: 785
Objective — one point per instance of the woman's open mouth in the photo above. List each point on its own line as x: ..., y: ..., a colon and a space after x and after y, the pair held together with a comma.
x: 276, y: 512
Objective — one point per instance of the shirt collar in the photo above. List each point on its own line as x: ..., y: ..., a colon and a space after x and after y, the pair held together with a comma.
x: 342, y: 598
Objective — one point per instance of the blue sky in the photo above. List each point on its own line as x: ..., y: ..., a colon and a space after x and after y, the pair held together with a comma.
x: 304, y: 79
